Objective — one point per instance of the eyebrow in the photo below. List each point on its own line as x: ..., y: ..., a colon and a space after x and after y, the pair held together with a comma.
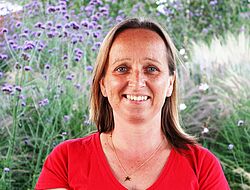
x: 145, y: 59
x: 151, y: 59
x: 123, y: 59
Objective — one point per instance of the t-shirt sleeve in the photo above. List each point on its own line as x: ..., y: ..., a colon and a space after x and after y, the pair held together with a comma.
x: 54, y: 171
x: 211, y: 176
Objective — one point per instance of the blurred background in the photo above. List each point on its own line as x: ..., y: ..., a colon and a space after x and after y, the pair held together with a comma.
x: 47, y: 53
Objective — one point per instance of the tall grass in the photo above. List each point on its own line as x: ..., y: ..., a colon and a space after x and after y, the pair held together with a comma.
x: 223, y: 108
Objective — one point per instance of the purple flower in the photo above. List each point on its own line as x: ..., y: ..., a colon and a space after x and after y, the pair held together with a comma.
x: 11, y: 42
x: 28, y: 45
x: 65, y: 57
x: 38, y: 33
x: 1, y: 74
x: 77, y: 59
x: 43, y: 102
x: 205, y: 30
x: 86, y: 32
x: 66, y: 16
x: 58, y: 8
x: 47, y: 66
x: 26, y: 31
x: 77, y: 86
x: 18, y: 66
x: 65, y: 34
x: 14, y: 46
x: 213, y: 3
x: 58, y: 26
x: 97, y: 44
x: 104, y: 10
x: 45, y: 77
x: 85, y: 23
x: 95, y: 18
x: 89, y: 68
x: 18, y: 24
x: 49, y: 23
x: 66, y: 118
x: 38, y: 25
x: 25, y: 56
x: 80, y: 37
x: 18, y: 88
x: 23, y: 104
x: 74, y: 25
x: 70, y: 77
x: 51, y: 34
x: 89, y: 9
x: 27, y: 68
x: 26, y: 141
x: 8, y: 89
x: 86, y: 122
x: 3, y: 56
x: 78, y: 51
x: 62, y: 2
x: 21, y: 97
x: 74, y: 40
x: 91, y: 26
x: 23, y: 35
x: 51, y: 9
x: 96, y: 34
x: 66, y: 65
x: 4, y: 30
x: 53, y: 29
x: 99, y: 27
x: 67, y: 25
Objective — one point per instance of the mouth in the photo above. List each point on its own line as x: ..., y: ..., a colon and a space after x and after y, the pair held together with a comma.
x: 138, y: 98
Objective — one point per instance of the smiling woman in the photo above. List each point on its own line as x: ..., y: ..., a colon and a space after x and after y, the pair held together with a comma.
x: 139, y: 143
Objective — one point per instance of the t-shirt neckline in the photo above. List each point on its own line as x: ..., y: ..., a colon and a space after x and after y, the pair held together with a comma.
x: 104, y: 162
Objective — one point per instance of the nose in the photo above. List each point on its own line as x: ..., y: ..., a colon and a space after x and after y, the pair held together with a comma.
x: 136, y: 80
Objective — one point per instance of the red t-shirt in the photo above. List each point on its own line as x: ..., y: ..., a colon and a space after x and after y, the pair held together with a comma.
x: 80, y: 164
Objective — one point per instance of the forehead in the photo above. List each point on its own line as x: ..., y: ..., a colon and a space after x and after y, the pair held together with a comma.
x: 138, y: 35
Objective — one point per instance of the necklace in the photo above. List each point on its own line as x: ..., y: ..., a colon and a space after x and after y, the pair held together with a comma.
x: 127, y: 175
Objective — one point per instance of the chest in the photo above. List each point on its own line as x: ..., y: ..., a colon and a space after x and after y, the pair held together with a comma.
x: 137, y: 174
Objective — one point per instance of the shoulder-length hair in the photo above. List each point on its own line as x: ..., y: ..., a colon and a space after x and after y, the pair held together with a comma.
x: 100, y: 110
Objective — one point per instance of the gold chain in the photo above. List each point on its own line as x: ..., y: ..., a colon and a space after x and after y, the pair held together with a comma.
x: 128, y: 176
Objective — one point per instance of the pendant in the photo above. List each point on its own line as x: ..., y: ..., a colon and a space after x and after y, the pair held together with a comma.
x: 127, y: 178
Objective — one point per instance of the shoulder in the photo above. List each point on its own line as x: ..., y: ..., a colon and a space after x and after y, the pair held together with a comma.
x: 75, y: 146
x: 198, y: 153
x: 206, y: 167
x: 199, y: 157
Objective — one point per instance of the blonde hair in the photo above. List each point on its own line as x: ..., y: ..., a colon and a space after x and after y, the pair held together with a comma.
x: 100, y: 110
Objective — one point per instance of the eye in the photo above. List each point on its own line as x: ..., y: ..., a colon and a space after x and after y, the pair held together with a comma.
x: 121, y: 69
x: 151, y: 69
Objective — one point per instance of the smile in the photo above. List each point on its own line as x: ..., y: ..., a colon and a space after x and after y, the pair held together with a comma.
x: 136, y: 98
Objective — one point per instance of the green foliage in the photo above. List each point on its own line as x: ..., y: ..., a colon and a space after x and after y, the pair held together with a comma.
x: 232, y: 146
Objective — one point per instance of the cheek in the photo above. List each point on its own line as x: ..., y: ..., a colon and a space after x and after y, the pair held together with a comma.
x: 114, y: 87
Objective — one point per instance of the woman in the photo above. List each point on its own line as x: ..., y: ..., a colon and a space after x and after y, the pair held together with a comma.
x: 139, y: 143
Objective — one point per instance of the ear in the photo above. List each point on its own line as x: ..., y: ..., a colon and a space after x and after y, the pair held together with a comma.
x: 171, y: 85
x: 102, y: 86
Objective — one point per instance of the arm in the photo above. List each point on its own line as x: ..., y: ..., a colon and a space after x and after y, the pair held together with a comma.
x: 54, y: 171
x: 211, y: 176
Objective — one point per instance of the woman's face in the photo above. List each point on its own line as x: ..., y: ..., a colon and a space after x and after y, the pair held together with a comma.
x: 137, y: 79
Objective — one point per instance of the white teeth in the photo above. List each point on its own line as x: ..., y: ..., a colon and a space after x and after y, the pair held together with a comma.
x: 136, y: 98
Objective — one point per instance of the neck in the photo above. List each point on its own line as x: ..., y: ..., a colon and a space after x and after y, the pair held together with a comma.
x: 137, y: 137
